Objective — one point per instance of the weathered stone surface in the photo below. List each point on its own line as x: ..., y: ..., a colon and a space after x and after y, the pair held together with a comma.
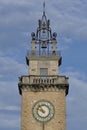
x: 56, y: 98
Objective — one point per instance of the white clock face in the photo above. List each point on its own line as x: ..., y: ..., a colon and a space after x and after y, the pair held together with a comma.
x: 43, y: 111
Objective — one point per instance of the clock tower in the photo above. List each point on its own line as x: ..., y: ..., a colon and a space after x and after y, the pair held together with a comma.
x: 43, y: 91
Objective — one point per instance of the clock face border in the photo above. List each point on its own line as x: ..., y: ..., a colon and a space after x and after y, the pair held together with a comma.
x: 43, y: 104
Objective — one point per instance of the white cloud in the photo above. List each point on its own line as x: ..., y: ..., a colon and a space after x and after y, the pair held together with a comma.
x: 10, y: 108
x: 9, y: 105
x: 8, y: 92
x: 23, y: 2
x: 9, y: 121
x: 76, y: 100
x: 11, y: 67
x: 69, y: 19
x: 77, y: 74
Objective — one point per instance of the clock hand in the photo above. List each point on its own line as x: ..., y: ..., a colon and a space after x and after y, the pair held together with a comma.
x: 42, y: 110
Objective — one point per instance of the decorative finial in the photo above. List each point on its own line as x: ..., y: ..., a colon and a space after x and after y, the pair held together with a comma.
x: 44, y: 7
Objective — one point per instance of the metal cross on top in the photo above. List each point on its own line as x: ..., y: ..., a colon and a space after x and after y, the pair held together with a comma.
x: 44, y: 6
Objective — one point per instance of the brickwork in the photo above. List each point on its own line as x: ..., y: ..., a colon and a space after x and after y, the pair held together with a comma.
x: 36, y: 65
x: 33, y: 68
x: 56, y: 98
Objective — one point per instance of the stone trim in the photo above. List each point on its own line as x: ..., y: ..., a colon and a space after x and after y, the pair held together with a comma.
x: 43, y: 88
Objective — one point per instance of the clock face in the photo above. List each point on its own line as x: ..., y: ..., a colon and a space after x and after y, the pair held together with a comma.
x: 43, y: 111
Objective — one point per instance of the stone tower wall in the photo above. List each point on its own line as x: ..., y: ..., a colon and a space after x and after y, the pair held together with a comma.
x: 56, y: 98
x: 35, y: 66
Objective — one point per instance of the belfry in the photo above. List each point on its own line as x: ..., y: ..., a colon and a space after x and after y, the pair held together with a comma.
x: 43, y: 91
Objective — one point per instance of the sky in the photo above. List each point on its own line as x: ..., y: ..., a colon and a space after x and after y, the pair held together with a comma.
x: 18, y: 18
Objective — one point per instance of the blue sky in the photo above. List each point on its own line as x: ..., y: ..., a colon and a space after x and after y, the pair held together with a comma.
x: 18, y: 18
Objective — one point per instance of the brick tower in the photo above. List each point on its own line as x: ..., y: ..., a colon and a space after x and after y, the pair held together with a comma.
x: 43, y: 90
